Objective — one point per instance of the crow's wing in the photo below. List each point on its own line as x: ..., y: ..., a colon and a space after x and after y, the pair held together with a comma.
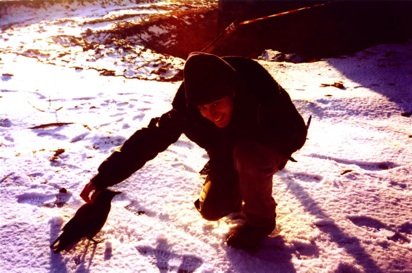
x: 87, y: 222
x: 80, y: 218
x: 74, y: 230
x: 97, y: 220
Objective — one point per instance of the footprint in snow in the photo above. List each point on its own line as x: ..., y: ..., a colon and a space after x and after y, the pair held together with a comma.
x: 139, y: 117
x: 379, y: 229
x: 306, y: 177
x: 5, y: 123
x: 398, y: 186
x: 107, y: 142
x: 79, y: 137
x: 51, y: 133
x: 135, y: 208
x: 406, y: 228
x: 45, y: 200
x: 185, y: 167
x: 166, y: 260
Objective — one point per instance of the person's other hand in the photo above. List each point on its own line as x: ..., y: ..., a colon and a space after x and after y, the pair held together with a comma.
x: 87, y: 190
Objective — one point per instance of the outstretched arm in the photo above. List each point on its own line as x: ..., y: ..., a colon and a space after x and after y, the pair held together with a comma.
x: 141, y: 147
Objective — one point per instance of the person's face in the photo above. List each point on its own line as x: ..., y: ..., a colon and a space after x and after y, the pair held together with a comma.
x: 219, y: 111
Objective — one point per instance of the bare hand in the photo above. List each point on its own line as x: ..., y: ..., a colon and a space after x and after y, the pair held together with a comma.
x: 87, y: 190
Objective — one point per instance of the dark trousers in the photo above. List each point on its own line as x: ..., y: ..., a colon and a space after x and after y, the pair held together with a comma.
x: 244, y: 176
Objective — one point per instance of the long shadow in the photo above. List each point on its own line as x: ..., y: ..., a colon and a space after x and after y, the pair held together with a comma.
x: 57, y: 265
x: 370, y: 166
x: 351, y: 244
x: 275, y: 256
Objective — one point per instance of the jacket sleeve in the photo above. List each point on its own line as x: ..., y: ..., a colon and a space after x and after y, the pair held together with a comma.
x: 141, y: 147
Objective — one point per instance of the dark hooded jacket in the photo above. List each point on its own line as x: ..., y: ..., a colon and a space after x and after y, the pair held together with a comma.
x: 263, y: 112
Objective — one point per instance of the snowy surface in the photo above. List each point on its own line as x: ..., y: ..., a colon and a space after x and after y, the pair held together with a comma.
x: 344, y: 207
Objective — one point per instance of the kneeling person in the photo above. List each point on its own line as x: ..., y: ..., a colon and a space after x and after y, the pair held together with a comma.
x: 248, y: 125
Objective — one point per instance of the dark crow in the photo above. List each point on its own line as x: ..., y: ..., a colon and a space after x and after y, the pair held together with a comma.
x: 87, y: 222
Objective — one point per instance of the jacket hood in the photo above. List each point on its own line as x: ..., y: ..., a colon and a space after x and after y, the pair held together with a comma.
x: 207, y: 78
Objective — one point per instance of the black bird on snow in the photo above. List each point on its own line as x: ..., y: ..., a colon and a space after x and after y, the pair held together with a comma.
x: 87, y: 222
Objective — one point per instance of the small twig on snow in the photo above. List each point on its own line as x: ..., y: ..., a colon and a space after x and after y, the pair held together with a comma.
x: 53, y: 124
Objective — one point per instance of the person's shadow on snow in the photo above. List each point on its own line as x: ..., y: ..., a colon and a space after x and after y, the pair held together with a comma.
x: 272, y: 256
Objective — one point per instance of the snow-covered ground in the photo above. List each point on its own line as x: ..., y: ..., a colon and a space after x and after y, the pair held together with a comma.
x: 344, y: 207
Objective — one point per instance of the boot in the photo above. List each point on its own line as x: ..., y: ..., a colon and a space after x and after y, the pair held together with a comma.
x: 248, y: 237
